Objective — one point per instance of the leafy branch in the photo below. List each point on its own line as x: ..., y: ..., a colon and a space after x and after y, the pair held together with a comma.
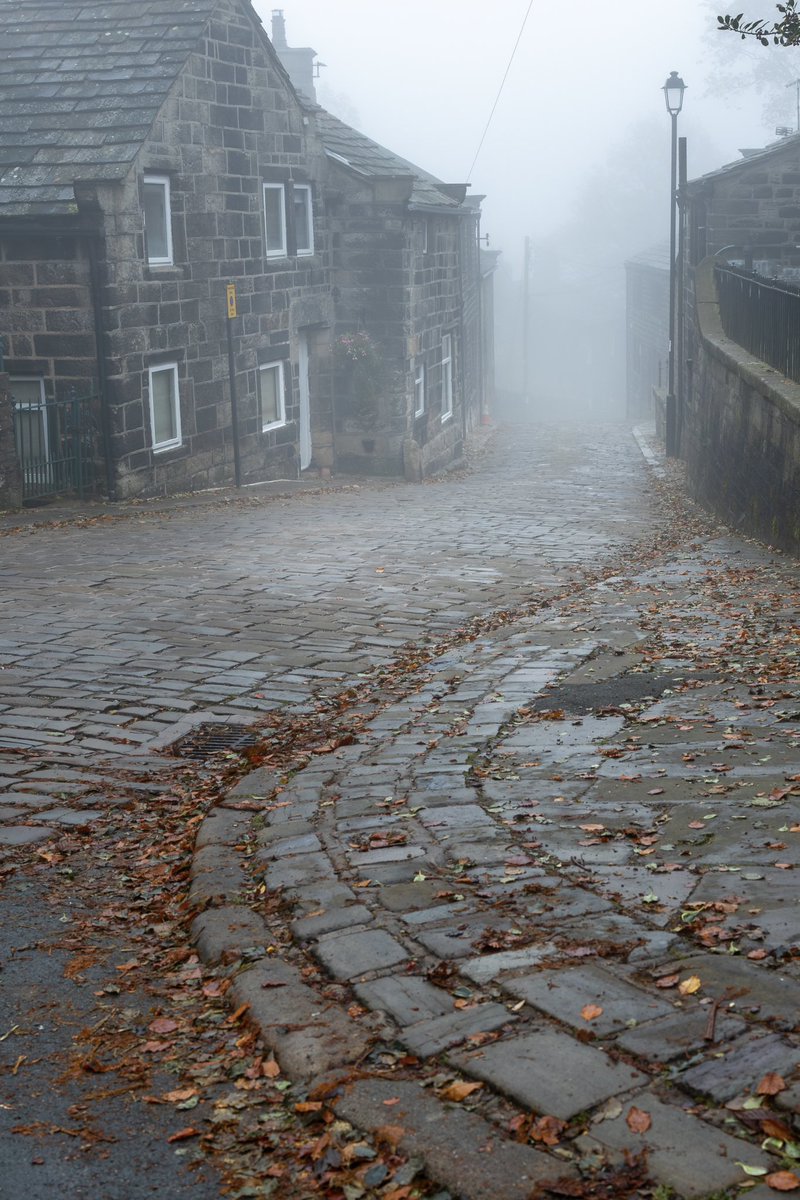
x: 785, y: 32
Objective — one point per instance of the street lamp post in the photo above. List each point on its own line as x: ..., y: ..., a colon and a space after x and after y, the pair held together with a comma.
x: 673, y: 89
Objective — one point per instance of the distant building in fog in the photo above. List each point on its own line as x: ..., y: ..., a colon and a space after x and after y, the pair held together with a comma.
x: 647, y: 329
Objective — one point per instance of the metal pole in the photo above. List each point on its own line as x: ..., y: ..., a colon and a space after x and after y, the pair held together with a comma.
x: 672, y: 445
x: 680, y: 303
x: 237, y: 463
x: 526, y: 321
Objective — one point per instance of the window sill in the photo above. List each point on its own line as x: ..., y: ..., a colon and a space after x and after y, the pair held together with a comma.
x: 273, y: 425
x: 166, y: 447
x: 167, y: 271
x: 446, y: 417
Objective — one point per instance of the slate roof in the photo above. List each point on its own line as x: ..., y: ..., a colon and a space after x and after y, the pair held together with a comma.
x: 81, y: 82
x: 361, y: 154
x: 656, y: 257
x: 750, y: 158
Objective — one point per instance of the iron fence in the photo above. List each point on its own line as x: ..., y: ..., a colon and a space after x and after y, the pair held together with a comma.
x: 55, y: 440
x: 763, y: 316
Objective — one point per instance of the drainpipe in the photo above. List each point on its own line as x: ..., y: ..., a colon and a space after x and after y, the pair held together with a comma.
x: 92, y: 240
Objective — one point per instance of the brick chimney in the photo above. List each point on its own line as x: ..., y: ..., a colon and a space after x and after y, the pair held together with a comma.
x: 298, y: 60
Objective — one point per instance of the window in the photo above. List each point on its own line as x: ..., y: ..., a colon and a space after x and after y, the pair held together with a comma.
x: 419, y: 387
x: 303, y: 219
x: 157, y: 220
x: 274, y: 220
x: 165, y: 411
x: 270, y: 395
x: 447, y: 377
x: 30, y: 420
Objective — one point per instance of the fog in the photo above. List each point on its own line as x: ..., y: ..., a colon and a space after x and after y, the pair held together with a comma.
x: 577, y: 154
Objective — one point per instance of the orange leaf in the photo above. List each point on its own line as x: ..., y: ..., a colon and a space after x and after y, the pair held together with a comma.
x: 180, y: 1094
x: 638, y: 1121
x: 590, y: 1012
x: 183, y: 1134
x: 390, y: 1135
x: 236, y: 1016
x: 592, y: 828
x: 775, y: 1128
x: 270, y: 1068
x: 460, y: 1091
x: 783, y: 1181
x: 389, y: 1103
x: 690, y: 985
x: 162, y: 1025
x: 770, y: 1085
x: 308, y: 1106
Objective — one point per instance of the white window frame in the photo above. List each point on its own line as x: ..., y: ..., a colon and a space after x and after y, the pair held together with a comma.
x: 425, y: 235
x: 177, y: 440
x: 447, y: 377
x: 419, y: 387
x: 281, y: 420
x: 305, y: 188
x: 161, y: 181
x: 281, y: 251
x: 32, y: 406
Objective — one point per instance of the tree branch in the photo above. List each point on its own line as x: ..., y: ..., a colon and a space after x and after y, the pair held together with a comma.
x: 785, y: 32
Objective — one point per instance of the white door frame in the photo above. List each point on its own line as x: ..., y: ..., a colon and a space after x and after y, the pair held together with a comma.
x: 305, y: 403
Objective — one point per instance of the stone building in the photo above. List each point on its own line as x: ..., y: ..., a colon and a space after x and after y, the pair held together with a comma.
x: 647, y: 329
x: 407, y: 274
x: 750, y: 208
x: 152, y: 155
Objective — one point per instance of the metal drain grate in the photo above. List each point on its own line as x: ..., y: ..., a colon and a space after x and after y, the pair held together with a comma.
x: 207, y: 740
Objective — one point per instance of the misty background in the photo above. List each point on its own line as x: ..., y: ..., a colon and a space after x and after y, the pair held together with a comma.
x: 577, y: 156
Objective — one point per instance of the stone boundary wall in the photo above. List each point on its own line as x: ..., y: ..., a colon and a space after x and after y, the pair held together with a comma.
x: 10, y: 475
x: 742, y: 435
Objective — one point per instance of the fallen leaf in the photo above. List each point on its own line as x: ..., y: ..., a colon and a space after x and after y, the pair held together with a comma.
x: 459, y: 1091
x: 783, y: 1181
x: 308, y: 1106
x: 592, y: 828
x: 180, y: 1094
x: 390, y: 1135
x: 690, y: 985
x: 757, y: 955
x: 770, y: 1085
x: 638, y: 1121
x: 590, y: 1012
x: 667, y: 981
x: 270, y: 1069
x: 775, y: 1128
x: 697, y: 824
x: 183, y: 1134
x: 162, y: 1025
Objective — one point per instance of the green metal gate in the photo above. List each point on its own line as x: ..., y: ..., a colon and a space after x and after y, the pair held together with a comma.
x: 54, y: 439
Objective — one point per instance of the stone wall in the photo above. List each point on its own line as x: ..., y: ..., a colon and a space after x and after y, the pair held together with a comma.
x: 742, y: 431
x: 230, y: 124
x: 10, y: 477
x: 46, y: 311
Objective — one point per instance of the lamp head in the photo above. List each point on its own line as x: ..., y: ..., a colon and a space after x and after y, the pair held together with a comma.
x: 673, y: 93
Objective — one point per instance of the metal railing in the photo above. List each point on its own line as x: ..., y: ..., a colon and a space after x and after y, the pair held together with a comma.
x: 762, y: 316
x: 55, y: 444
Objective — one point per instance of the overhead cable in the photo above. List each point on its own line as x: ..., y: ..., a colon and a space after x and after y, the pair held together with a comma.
x: 502, y: 85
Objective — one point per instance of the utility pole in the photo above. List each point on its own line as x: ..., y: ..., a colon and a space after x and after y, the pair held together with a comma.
x: 526, y: 305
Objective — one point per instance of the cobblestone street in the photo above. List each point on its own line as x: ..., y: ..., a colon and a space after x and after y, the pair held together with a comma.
x: 554, y: 860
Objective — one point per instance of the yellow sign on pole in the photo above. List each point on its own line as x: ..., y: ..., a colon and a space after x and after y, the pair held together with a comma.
x: 231, y: 294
